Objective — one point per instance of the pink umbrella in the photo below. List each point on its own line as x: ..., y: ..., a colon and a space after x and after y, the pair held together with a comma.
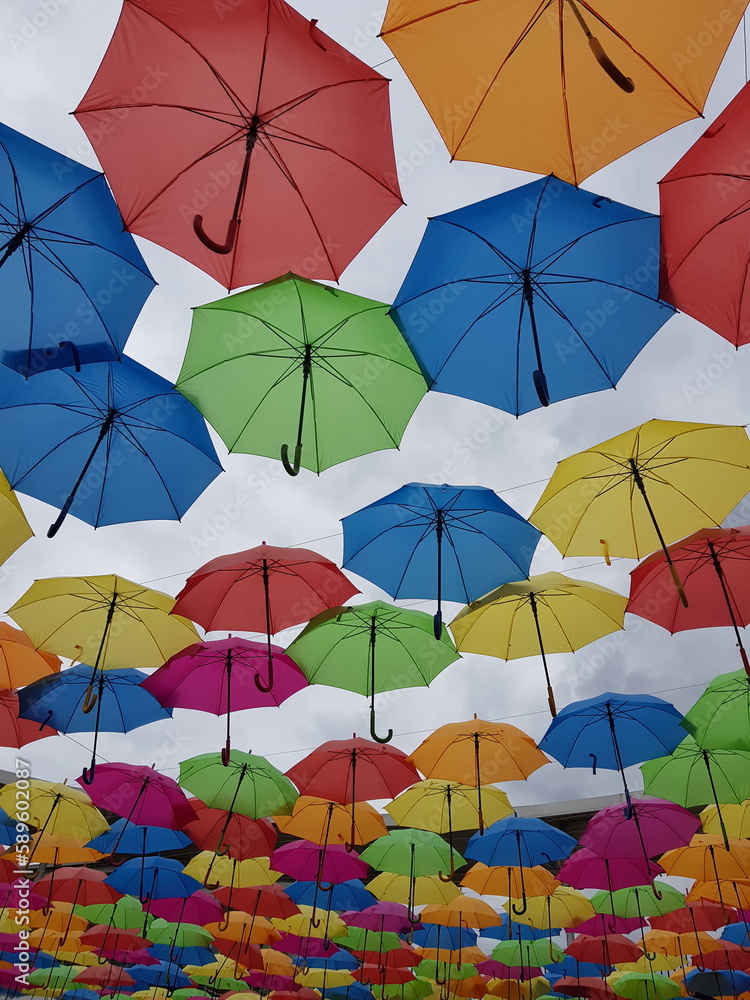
x: 654, y: 827
x: 308, y: 947
x: 140, y: 794
x: 585, y: 986
x: 219, y: 676
x: 137, y: 956
x: 586, y: 870
x: 9, y: 897
x: 305, y: 861
x: 200, y: 908
x: 382, y: 916
x: 263, y: 981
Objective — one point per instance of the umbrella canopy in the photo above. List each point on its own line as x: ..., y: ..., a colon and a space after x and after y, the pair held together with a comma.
x: 322, y: 821
x: 54, y: 808
x: 649, y: 828
x: 639, y: 901
x: 111, y: 443
x: 130, y: 838
x: 412, y: 853
x: 262, y: 119
x: 230, y: 833
x: 140, y: 794
x: 444, y: 806
x: 535, y: 279
x: 447, y: 542
x: 549, y: 613
x: 372, y: 647
x: 73, y: 281
x: 645, y: 488
x: 15, y: 731
x: 720, y: 718
x: 309, y: 363
x: 20, y: 661
x: 264, y: 589
x: 586, y: 870
x: 520, y: 841
x: 564, y: 91
x: 152, y: 878
x: 243, y: 783
x: 565, y: 907
x: 14, y: 528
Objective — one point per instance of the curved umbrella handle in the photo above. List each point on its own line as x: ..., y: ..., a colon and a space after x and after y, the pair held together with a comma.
x: 221, y: 248
x: 616, y: 75
x: 540, y: 384
x: 221, y: 850
x: 325, y: 886
x: 523, y: 908
x: 449, y: 876
x: 291, y: 468
x: 87, y: 777
x: 265, y: 688
x: 89, y: 699
x: 117, y: 861
x: 224, y: 925
x: 593, y: 766
x: 145, y: 900
x: 437, y: 625
x: 650, y: 956
x: 380, y: 739
x: 46, y: 721
x: 225, y: 750
x: 100, y: 961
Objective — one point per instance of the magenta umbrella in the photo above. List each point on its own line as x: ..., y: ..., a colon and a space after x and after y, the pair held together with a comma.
x: 586, y: 870
x: 305, y: 861
x: 199, y: 908
x: 308, y: 947
x: 654, y: 826
x: 382, y: 916
x: 608, y: 923
x: 140, y: 794
x: 219, y: 676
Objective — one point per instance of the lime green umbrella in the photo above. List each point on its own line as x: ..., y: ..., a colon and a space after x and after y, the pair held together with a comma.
x: 720, y: 718
x: 527, y: 954
x: 126, y: 914
x: 341, y: 647
x: 411, y: 852
x: 179, y: 935
x: 694, y: 775
x: 294, y: 357
x: 639, y: 901
x: 443, y: 971
x: 56, y: 977
x: 364, y: 939
x: 415, y: 989
x: 645, y: 986
x: 247, y: 784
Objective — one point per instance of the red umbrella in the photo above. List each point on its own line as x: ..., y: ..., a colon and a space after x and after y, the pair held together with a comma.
x: 729, y: 956
x: 705, y: 240
x: 349, y: 771
x: 104, y: 975
x: 714, y: 565
x: 250, y: 146
x: 15, y: 732
x: 263, y: 900
x: 698, y: 915
x: 382, y: 975
x: 140, y: 794
x: 243, y: 953
x: 219, y: 677
x: 77, y: 885
x: 265, y: 589
x: 606, y: 950
x: 607, y: 923
x: 229, y: 833
x: 585, y: 986
x: 199, y: 908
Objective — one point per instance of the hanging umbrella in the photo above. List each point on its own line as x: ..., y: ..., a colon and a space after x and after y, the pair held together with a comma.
x: 565, y: 907
x: 263, y: 119
x: 230, y: 833
x: 640, y: 986
x: 736, y: 818
x: 644, y: 488
x: 563, y: 90
x: 293, y: 357
x: 72, y: 280
x: 15, y: 731
x: 463, y: 911
x: 54, y: 808
x: 613, y: 731
x: 121, y: 703
x: 586, y: 870
x: 20, y: 661
x: 111, y: 443
x: 140, y: 794
x: 550, y: 613
x: 710, y: 246
x: 717, y: 984
x: 246, y: 784
x: 264, y: 589
x: 349, y: 895
x: 422, y: 889
x: 649, y: 828
x: 216, y: 677
x: 152, y: 877
x: 323, y: 821
x: 639, y: 901
x: 476, y: 753
x: 509, y: 879
x: 540, y: 280
x: 447, y: 542
x: 714, y: 566
x: 720, y: 718
x: 370, y: 648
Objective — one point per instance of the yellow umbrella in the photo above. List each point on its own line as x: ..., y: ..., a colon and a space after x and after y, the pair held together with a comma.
x: 562, y: 88
x: 216, y: 869
x: 276, y: 963
x: 443, y: 806
x: 324, y: 822
x: 328, y: 978
x: 307, y: 924
x: 14, y: 528
x: 736, y: 819
x: 658, y: 963
x: 645, y: 488
x: 549, y: 613
x: 54, y: 808
x: 514, y: 989
x: 427, y: 889
x: 244, y: 927
x: 565, y: 907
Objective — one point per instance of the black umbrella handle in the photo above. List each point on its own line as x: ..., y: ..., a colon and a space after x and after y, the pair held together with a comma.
x: 292, y: 468
x: 230, y: 239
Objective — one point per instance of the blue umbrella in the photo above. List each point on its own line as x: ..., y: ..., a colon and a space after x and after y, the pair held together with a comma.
x: 613, y: 731
x: 72, y: 282
x: 451, y: 542
x: 189, y: 955
x: 717, y: 984
x: 442, y: 936
x: 350, y: 895
x: 737, y: 934
x: 354, y: 991
x: 153, y: 878
x: 112, y: 443
x: 539, y: 294
x: 122, y: 703
x: 342, y: 960
x: 166, y: 974
x: 129, y: 838
x: 572, y: 967
x: 508, y: 930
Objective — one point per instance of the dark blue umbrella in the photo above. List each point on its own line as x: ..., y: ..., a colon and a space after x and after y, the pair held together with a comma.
x: 72, y: 282
x: 122, y: 703
x: 613, y: 731
x: 717, y: 984
x: 737, y: 934
x: 354, y: 991
x: 572, y: 967
x: 112, y: 443
x: 508, y: 930
x: 445, y: 542
x: 129, y: 838
x: 350, y: 895
x: 342, y: 960
x: 153, y: 878
x: 189, y: 955
x: 442, y: 936
x: 539, y: 294
x: 166, y: 974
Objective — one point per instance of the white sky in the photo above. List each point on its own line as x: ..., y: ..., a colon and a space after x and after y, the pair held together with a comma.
x: 49, y: 51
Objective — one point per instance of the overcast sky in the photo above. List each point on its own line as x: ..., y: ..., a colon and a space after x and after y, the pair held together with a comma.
x: 49, y: 51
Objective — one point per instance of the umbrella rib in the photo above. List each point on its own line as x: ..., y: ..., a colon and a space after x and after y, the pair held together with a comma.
x: 556, y: 309
x: 290, y: 370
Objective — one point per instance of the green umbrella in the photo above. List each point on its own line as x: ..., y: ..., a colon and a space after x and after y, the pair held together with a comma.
x: 56, y: 977
x: 247, y: 784
x: 294, y: 357
x: 363, y: 939
x: 639, y: 900
x: 411, y: 852
x: 179, y: 935
x: 693, y: 775
x: 443, y: 971
x: 645, y: 986
x: 341, y: 647
x: 190, y: 991
x: 415, y: 989
x: 720, y: 718
x: 527, y: 954
x: 126, y: 914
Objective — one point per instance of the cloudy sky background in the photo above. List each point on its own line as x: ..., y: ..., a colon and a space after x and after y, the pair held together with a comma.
x: 49, y: 51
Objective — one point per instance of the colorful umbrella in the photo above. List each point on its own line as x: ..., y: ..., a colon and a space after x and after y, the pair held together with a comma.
x: 648, y: 828
x: 322, y: 821
x: 73, y: 281
x: 54, y: 808
x: 644, y: 488
x: 565, y: 90
x: 15, y: 731
x: 720, y: 718
x: 300, y: 356
x: 264, y: 119
x: 550, y: 613
x: 216, y: 677
x: 370, y: 648
x: 230, y: 833
x: 21, y: 662
x: 244, y: 783
x: 130, y: 838
x: 264, y: 589
x: 141, y: 794
x: 452, y: 542
x: 586, y: 870
x: 540, y: 279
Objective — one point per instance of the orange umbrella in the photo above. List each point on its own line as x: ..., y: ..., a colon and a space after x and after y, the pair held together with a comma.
x: 729, y: 892
x: 509, y: 881
x: 706, y: 858
x: 463, y: 911
x: 685, y: 943
x: 324, y: 822
x: 56, y: 849
x: 20, y: 662
x: 478, y: 753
